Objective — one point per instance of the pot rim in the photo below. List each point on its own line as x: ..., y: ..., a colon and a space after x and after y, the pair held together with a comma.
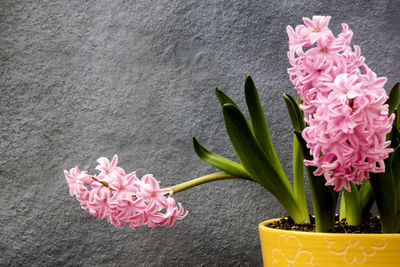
x: 263, y: 227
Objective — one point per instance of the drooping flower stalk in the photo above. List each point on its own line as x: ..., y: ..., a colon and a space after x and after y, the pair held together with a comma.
x: 201, y: 180
x: 123, y: 198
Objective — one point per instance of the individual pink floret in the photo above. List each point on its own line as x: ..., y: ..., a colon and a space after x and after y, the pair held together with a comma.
x: 76, y: 180
x: 107, y: 168
x: 151, y: 192
x: 123, y: 185
x: 173, y: 213
x: 317, y: 29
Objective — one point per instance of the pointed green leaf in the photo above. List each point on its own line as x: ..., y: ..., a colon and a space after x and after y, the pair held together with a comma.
x: 259, y: 123
x: 257, y: 164
x: 396, y: 170
x: 386, y: 197
x: 298, y: 174
x: 395, y: 163
x: 367, y: 197
x: 394, y: 137
x: 394, y: 98
x: 296, y: 116
x: 219, y: 162
x: 224, y: 99
x: 397, y: 120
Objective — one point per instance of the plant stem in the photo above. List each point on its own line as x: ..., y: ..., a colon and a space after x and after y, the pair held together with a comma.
x: 342, y: 210
x: 324, y: 197
x: 201, y: 180
x: 361, y: 201
x: 324, y: 201
x: 298, y: 176
x: 104, y: 183
x: 366, y: 197
x: 353, y: 207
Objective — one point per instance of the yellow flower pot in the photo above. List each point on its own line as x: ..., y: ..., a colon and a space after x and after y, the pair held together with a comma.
x: 297, y: 249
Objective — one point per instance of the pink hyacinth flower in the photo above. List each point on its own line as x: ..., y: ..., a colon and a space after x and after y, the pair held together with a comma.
x: 343, y: 102
x: 123, y: 198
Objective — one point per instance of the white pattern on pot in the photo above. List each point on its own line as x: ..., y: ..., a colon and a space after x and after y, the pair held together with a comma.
x: 351, y: 250
x: 289, y: 253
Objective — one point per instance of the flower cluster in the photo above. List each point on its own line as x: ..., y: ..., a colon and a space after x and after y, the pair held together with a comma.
x: 123, y: 198
x: 343, y: 103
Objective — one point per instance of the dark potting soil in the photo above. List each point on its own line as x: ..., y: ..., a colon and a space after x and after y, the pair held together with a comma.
x: 370, y: 225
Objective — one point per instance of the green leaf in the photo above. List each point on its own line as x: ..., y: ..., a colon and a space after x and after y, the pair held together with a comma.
x: 224, y: 99
x: 366, y: 196
x: 394, y: 136
x: 394, y: 98
x: 396, y: 120
x: 342, y: 208
x: 257, y: 164
x: 296, y: 116
x: 259, y: 123
x: 395, y: 160
x: 395, y: 163
x: 386, y: 198
x: 352, y: 202
x: 298, y: 174
x: 324, y: 197
x: 219, y: 162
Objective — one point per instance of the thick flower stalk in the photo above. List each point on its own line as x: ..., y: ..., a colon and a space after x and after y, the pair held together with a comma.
x: 123, y: 198
x: 343, y: 102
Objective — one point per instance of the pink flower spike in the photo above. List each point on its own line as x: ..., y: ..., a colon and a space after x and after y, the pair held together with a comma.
x: 123, y: 198
x: 343, y: 103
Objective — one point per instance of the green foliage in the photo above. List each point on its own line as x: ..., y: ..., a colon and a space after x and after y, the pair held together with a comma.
x: 254, y: 149
x: 394, y: 98
x: 219, y: 162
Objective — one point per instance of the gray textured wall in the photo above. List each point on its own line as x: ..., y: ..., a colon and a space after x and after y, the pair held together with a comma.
x: 83, y: 79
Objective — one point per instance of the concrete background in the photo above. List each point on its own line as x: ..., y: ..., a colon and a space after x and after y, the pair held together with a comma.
x: 84, y: 79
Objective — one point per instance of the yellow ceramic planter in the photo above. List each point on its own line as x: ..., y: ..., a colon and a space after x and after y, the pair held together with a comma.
x: 298, y: 249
